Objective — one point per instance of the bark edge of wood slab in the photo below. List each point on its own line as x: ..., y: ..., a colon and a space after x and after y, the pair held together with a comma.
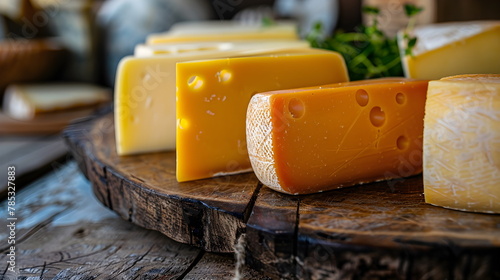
x: 380, y: 230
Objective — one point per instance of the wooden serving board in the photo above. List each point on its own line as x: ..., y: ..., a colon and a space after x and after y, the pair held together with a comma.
x: 381, y: 230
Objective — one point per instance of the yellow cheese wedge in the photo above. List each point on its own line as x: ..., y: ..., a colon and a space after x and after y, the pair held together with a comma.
x: 225, y: 31
x: 145, y: 95
x: 446, y: 49
x: 309, y: 140
x: 462, y: 143
x: 25, y: 102
x: 212, y: 99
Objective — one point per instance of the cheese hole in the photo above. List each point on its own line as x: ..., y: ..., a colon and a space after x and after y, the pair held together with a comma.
x: 377, y: 116
x: 400, y: 98
x: 195, y: 82
x: 402, y: 142
x: 183, y: 123
x: 296, y: 108
x: 362, y: 97
x: 224, y: 75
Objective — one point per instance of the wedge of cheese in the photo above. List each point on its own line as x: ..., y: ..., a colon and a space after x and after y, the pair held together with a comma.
x: 29, y: 101
x: 145, y: 118
x: 212, y: 100
x: 446, y: 49
x: 462, y: 143
x: 225, y: 31
x: 310, y: 140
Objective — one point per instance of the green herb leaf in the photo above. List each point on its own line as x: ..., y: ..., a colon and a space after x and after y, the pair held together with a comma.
x: 412, y: 10
x: 267, y: 21
x: 370, y: 10
x: 368, y: 52
x: 409, y: 45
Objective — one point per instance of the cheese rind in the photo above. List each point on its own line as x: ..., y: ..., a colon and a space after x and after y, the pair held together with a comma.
x: 462, y: 143
x: 212, y: 100
x: 310, y: 140
x: 446, y: 49
x: 145, y: 118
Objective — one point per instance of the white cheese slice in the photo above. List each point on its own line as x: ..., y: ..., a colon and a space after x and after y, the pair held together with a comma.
x: 453, y: 48
x: 25, y: 102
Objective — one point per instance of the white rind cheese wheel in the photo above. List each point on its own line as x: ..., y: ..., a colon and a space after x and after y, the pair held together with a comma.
x: 462, y: 143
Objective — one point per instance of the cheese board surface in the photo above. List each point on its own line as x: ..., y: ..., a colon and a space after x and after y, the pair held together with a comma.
x: 373, y: 231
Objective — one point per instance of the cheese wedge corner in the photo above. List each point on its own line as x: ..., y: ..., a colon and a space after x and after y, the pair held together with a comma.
x: 212, y: 100
x: 145, y: 118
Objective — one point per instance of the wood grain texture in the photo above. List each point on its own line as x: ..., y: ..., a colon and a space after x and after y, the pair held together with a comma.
x: 27, y: 155
x: 64, y: 232
x: 271, y: 233
x: 48, y: 124
x: 143, y: 189
x: 374, y: 231
x: 385, y: 230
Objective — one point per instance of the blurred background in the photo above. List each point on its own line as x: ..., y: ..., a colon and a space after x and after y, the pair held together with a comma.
x: 82, y: 41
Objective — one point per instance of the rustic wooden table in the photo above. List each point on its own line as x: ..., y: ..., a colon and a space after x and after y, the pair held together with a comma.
x: 63, y: 232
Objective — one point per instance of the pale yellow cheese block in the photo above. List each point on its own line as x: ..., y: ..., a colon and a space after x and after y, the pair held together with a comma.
x: 142, y: 50
x: 447, y: 49
x: 462, y: 143
x: 225, y: 31
x: 212, y: 100
x: 145, y: 96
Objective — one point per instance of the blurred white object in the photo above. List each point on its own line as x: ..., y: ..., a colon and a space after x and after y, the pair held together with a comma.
x: 309, y: 12
x: 11, y: 8
x: 392, y: 17
x: 254, y: 15
x: 25, y: 102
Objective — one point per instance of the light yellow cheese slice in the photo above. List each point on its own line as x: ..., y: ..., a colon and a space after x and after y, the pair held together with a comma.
x: 462, y: 143
x: 212, y: 99
x: 145, y: 96
x: 446, y: 49
x: 225, y: 31
x: 142, y: 50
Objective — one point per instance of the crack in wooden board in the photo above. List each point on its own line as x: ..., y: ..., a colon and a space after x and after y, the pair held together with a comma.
x: 271, y: 234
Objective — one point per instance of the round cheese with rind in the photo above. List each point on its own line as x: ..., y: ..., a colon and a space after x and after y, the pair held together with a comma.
x: 462, y: 143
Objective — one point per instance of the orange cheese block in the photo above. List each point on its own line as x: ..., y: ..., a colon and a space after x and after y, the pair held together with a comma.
x: 310, y: 140
x: 212, y: 99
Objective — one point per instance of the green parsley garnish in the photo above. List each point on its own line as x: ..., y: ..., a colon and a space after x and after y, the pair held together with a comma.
x: 411, y: 11
x: 368, y: 52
